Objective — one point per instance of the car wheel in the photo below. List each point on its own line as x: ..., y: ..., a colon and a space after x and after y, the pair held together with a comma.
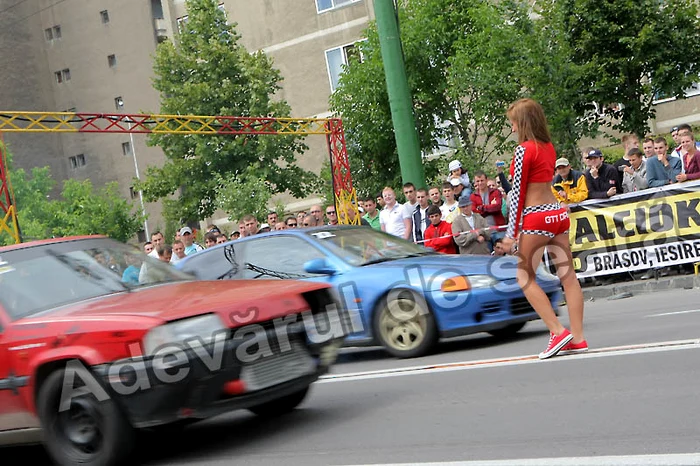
x: 404, y: 325
x: 280, y: 405
x: 508, y: 331
x: 89, y: 432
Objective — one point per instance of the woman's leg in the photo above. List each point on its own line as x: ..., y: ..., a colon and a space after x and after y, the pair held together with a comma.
x: 530, y: 251
x: 560, y: 251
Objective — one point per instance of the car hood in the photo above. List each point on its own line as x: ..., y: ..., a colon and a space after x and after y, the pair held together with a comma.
x: 237, y: 302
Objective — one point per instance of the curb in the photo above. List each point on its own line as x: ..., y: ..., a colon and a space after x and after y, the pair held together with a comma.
x: 629, y: 289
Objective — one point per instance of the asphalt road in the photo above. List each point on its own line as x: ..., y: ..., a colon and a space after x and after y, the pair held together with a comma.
x: 614, y: 402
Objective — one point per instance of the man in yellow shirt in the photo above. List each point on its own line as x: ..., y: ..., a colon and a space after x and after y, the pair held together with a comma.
x: 569, y: 186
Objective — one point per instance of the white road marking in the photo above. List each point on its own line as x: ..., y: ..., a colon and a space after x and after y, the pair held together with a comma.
x: 683, y: 459
x: 674, y: 313
x: 513, y: 361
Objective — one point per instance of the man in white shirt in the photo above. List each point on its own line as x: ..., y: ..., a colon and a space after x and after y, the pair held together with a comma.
x: 157, y: 239
x: 392, y: 218
x: 409, y: 191
x: 449, y: 207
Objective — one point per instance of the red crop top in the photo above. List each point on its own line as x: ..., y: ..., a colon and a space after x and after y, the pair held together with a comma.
x: 532, y: 163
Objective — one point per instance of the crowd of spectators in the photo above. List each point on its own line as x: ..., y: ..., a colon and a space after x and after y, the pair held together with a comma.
x: 467, y: 215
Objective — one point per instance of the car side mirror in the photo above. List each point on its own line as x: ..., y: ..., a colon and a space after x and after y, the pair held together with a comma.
x: 320, y: 266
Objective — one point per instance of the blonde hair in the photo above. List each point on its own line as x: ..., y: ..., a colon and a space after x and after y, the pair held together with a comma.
x: 529, y: 117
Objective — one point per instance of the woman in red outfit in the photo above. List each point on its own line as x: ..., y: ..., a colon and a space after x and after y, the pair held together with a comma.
x: 545, y: 224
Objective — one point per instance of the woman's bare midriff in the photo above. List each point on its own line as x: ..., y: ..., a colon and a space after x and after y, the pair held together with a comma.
x: 539, y: 193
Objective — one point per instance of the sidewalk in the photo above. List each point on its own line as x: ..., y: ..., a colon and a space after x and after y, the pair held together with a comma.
x: 637, y: 287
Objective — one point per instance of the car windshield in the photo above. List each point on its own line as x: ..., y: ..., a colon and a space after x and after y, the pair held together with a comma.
x: 363, y: 246
x: 40, y: 278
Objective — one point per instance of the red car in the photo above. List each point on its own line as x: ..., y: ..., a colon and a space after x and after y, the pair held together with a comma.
x: 99, y: 341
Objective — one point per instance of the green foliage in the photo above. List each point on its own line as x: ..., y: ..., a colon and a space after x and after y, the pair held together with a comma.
x: 554, y: 80
x: 612, y: 154
x: 466, y: 61
x: 240, y: 195
x: 81, y: 210
x: 85, y: 211
x: 628, y: 52
x: 327, y: 193
x: 487, y: 73
x: 209, y: 72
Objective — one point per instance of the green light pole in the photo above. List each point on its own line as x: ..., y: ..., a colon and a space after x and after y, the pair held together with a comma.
x: 399, y: 94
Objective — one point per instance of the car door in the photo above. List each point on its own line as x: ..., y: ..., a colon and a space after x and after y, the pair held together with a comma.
x: 280, y: 256
x: 219, y: 263
x: 283, y: 257
x: 13, y: 412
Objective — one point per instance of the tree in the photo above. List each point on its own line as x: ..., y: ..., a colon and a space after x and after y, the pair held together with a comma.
x: 82, y: 210
x: 629, y: 53
x: 244, y: 194
x: 79, y: 211
x: 466, y: 61
x: 208, y: 72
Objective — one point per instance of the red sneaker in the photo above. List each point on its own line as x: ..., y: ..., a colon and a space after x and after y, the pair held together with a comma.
x: 556, y: 343
x: 573, y: 348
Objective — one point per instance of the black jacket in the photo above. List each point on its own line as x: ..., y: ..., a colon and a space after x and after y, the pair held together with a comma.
x: 416, y: 223
x: 607, y: 178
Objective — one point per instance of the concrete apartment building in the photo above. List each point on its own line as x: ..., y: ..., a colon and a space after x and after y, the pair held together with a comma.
x: 96, y: 56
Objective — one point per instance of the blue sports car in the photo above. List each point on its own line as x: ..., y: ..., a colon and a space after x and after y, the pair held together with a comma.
x: 397, y: 294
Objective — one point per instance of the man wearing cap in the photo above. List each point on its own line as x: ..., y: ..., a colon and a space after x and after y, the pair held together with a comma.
x: 569, y: 185
x: 470, y: 230
x: 188, y: 240
x: 601, y: 178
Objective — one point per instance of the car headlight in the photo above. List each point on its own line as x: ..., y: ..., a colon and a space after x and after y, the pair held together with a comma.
x: 204, y: 327
x: 466, y: 283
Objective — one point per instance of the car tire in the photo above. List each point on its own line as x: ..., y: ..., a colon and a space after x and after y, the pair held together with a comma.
x: 92, y: 432
x: 281, y: 405
x: 509, y: 331
x: 404, y: 325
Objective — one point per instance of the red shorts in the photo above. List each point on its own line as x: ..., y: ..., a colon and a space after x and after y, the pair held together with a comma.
x: 546, y: 219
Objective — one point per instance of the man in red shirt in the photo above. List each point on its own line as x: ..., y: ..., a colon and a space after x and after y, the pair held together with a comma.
x: 487, y: 202
x: 439, y: 232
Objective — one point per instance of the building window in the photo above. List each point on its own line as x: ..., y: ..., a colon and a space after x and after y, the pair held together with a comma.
x: 52, y: 33
x: 119, y: 103
x: 112, y: 61
x: 66, y: 74
x: 126, y: 148
x: 58, y: 76
x: 325, y: 5
x: 337, y: 58
x: 77, y: 161
x: 105, y: 16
